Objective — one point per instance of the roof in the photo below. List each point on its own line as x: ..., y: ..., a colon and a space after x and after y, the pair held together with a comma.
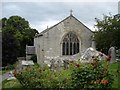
x: 41, y: 34
x: 30, y: 50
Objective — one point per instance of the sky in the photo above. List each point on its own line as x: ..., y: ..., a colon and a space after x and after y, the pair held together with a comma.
x: 41, y: 15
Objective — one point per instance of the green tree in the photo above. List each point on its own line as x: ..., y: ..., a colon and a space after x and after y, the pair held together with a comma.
x: 9, y: 48
x: 20, y: 28
x: 16, y: 35
x: 108, y: 32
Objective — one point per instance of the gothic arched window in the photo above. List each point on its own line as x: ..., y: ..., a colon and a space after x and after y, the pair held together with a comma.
x: 70, y: 45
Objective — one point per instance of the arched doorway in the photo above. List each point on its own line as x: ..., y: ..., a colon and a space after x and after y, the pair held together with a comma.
x: 70, y: 44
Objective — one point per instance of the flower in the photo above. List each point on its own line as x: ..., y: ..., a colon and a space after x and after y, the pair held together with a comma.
x: 100, y: 81
x: 104, y: 81
x: 109, y: 57
x: 101, y: 55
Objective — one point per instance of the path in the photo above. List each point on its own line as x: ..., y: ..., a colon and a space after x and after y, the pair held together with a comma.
x: 5, y: 76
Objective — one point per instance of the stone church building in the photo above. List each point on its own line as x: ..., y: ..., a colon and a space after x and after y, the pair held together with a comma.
x: 66, y: 39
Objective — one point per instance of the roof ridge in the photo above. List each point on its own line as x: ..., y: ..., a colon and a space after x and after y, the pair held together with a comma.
x: 40, y: 34
x: 55, y: 25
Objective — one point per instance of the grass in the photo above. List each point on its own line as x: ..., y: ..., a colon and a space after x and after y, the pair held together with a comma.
x: 113, y: 68
x: 11, y: 84
x: 4, y: 71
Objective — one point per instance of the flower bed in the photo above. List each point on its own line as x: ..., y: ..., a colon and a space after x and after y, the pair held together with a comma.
x: 78, y: 75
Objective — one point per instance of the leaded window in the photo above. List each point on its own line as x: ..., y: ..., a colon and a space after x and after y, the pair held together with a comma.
x: 70, y: 45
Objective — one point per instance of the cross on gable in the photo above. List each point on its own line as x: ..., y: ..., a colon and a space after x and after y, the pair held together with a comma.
x: 71, y: 11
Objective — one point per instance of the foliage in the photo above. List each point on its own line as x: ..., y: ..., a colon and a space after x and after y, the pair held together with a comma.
x: 34, y: 58
x: 42, y: 77
x: 94, y: 75
x: 10, y: 48
x: 20, y: 28
x: 108, y: 32
x: 78, y: 75
x: 16, y: 35
x: 11, y: 84
x: 113, y: 69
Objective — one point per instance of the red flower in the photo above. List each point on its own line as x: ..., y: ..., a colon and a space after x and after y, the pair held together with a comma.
x: 109, y: 57
x: 101, y: 55
x: 104, y: 81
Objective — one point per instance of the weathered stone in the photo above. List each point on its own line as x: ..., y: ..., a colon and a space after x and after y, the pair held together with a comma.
x: 90, y: 54
x: 49, y: 42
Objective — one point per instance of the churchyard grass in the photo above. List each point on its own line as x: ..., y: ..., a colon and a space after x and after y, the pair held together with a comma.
x: 8, y: 68
x: 113, y: 68
x: 11, y: 84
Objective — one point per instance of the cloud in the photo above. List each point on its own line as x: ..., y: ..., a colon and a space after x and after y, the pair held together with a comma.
x: 41, y: 14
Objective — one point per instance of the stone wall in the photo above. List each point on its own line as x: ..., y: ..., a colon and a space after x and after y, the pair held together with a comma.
x: 49, y: 44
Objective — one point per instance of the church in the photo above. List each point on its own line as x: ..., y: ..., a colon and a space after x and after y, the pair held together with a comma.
x: 67, y: 39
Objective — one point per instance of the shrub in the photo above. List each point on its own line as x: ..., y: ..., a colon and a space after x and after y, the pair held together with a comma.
x: 78, y: 75
x: 34, y: 58
x: 41, y: 77
x: 94, y: 75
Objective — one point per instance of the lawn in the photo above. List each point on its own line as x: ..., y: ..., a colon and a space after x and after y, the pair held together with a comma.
x: 113, y: 68
x: 4, y: 71
x: 11, y: 84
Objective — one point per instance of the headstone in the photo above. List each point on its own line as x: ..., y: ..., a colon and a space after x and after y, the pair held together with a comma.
x: 89, y: 53
x: 118, y: 55
x: 26, y: 63
x: 112, y: 53
x: 23, y: 64
x: 66, y: 64
x: 52, y: 65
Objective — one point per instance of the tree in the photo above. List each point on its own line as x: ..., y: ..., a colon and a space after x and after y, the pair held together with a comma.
x: 108, y: 32
x: 9, y: 48
x: 16, y: 35
x: 21, y: 30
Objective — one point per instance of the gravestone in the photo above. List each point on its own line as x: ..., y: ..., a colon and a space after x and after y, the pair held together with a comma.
x: 66, y: 64
x: 52, y: 65
x: 112, y: 53
x: 90, y: 53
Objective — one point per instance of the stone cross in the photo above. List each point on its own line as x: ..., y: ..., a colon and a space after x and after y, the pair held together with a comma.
x: 71, y: 11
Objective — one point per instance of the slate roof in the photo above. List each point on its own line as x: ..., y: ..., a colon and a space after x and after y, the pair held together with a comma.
x: 41, y: 33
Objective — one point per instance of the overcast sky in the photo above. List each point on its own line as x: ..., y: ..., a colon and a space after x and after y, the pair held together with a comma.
x: 43, y: 14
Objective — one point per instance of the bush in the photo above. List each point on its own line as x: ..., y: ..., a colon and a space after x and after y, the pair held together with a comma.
x: 41, y: 77
x: 92, y: 76
x: 78, y: 75
x: 34, y: 58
